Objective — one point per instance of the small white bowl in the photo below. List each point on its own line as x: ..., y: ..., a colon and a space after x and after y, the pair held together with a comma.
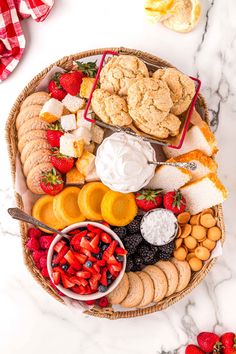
x: 70, y: 293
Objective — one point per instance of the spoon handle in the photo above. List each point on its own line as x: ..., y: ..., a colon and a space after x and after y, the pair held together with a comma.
x: 19, y: 214
x: 187, y: 165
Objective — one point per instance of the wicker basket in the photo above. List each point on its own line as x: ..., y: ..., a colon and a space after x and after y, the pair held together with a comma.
x: 11, y: 136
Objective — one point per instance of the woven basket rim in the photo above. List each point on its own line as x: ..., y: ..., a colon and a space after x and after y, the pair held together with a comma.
x: 11, y: 137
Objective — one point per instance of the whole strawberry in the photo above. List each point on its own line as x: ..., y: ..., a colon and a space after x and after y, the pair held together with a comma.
x: 228, y: 341
x: 54, y: 87
x: 61, y: 162
x: 2, y: 47
x: 193, y: 349
x: 229, y: 351
x: 51, y: 182
x: 175, y: 202
x: 71, y: 82
x: 148, y: 199
x: 53, y: 135
x: 209, y: 342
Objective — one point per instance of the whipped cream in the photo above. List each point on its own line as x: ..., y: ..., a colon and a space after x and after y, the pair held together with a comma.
x: 122, y: 162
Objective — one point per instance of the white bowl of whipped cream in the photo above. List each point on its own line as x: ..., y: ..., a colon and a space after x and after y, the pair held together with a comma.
x: 122, y: 162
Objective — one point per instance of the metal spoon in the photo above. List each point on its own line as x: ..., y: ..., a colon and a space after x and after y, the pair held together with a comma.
x: 19, y: 214
x: 187, y: 165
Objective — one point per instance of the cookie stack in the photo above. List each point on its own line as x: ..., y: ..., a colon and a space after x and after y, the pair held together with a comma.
x: 32, y: 142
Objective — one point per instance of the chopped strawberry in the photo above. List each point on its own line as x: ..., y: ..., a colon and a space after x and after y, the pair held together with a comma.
x: 103, y: 279
x: 58, y: 269
x: 93, y: 282
x: 112, y: 270
x: 58, y: 246
x: 81, y: 257
x: 79, y: 281
x: 90, y: 270
x: 60, y: 255
x: 84, y: 274
x: 85, y: 252
x: 77, y: 237
x: 94, y: 242
x: 96, y: 267
x: 105, y: 237
x: 33, y: 244
x: 112, y: 260
x: 92, y: 228
x: 86, y: 244
x: 110, y: 250
x: 71, y: 82
x: 56, y: 277
x: 63, y: 261
x: 67, y: 283
x: 101, y: 262
x: 73, y: 232
x: 72, y: 260
x: 33, y: 232
x: 45, y: 242
x: 105, y: 224
x: 71, y: 271
x: 78, y: 289
x: 45, y: 273
x: 92, y: 259
x: 120, y: 251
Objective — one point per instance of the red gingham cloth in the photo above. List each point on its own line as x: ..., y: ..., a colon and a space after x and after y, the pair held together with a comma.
x: 12, y: 40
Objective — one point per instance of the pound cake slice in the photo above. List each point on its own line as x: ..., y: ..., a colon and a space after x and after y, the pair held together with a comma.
x: 204, y: 193
x: 198, y: 137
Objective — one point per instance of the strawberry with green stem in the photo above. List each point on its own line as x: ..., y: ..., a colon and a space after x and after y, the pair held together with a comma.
x: 148, y: 199
x: 61, y: 162
x: 54, y: 133
x: 88, y: 69
x: 55, y: 88
x: 51, y: 182
x: 175, y: 202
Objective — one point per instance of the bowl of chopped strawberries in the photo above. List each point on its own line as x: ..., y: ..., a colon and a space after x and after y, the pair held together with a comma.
x: 88, y: 264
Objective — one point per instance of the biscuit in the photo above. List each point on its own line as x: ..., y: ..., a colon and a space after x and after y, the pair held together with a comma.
x: 159, y: 280
x: 32, y: 146
x: 182, y: 88
x: 121, y: 72
x: 35, y: 159
x: 32, y: 124
x: 149, y: 102
x: 135, y: 292
x: 27, y: 113
x: 111, y: 109
x: 30, y: 136
x: 184, y: 273
x: 37, y: 98
x: 120, y: 292
x: 171, y: 274
x: 33, y: 178
x: 148, y: 287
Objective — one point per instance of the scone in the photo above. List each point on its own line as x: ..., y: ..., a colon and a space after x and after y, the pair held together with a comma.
x: 135, y: 292
x: 121, y: 72
x: 149, y: 103
x: 35, y: 98
x: 32, y: 124
x: 148, y: 287
x: 30, y: 136
x: 159, y: 280
x: 35, y: 159
x: 184, y: 273
x: 110, y: 108
x: 171, y: 274
x: 120, y: 292
x: 32, y: 146
x: 33, y: 178
x: 27, y: 113
x: 182, y: 88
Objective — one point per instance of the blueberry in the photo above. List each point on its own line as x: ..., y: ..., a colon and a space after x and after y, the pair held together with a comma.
x: 64, y: 266
x: 87, y: 238
x: 104, y: 247
x: 119, y: 258
x: 88, y: 264
x: 98, y: 256
x: 102, y: 288
x: 109, y: 275
x: 100, y: 244
x: 109, y: 281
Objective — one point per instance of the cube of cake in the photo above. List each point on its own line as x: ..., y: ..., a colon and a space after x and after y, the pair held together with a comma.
x: 74, y: 177
x: 71, y: 146
x: 81, y: 121
x: 51, y: 110
x: 73, y: 103
x: 92, y: 176
x: 86, y: 163
x: 97, y: 134
x: 86, y: 86
x: 84, y: 134
x: 68, y: 122
x: 90, y: 147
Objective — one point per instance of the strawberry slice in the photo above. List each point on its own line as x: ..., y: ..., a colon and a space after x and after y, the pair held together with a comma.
x: 90, y: 270
x: 116, y: 267
x: 61, y: 254
x: 79, y: 281
x: 113, y: 270
x: 72, y: 260
x: 58, y: 246
x: 56, y: 277
x: 58, y: 269
x: 105, y: 237
x: 78, y: 237
x: 79, y: 289
x: 120, y: 251
x: 71, y: 270
x: 112, y: 260
x: 85, y: 244
x: 92, y: 228
x: 93, y: 282
x: 94, y: 243
x: 93, y: 259
x: 88, y: 290
x: 67, y: 283
x: 96, y: 268
x: 110, y: 250
x: 84, y: 274
x: 101, y: 262
x: 103, y: 279
x: 81, y: 257
x: 74, y: 232
x: 63, y: 261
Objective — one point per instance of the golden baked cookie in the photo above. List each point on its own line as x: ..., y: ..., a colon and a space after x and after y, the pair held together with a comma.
x: 158, y: 10
x: 37, y: 98
x: 33, y: 178
x: 120, y: 292
x: 121, y: 72
x: 135, y: 292
x: 30, y: 136
x: 35, y: 159
x: 184, y: 273
x: 32, y: 124
x: 159, y: 280
x: 171, y: 274
x: 32, y: 146
x: 148, y: 287
x: 111, y: 109
x: 27, y: 113
x: 149, y: 102
x: 182, y: 88
x: 185, y: 15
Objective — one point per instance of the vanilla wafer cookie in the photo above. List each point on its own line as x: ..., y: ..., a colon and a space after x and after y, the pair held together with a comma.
x: 159, y: 281
x: 135, y: 292
x: 171, y: 274
x: 32, y: 146
x: 32, y: 124
x: 35, y: 98
x: 184, y: 273
x: 30, y: 136
x: 27, y: 113
x: 33, y: 178
x: 35, y: 159
x: 148, y: 287
x: 120, y: 292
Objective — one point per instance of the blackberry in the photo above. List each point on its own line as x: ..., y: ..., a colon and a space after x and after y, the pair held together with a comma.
x: 131, y: 242
x: 168, y: 248
x: 147, y: 253
x: 120, y: 231
x: 129, y: 264
x: 164, y: 256
x: 138, y: 263
x: 134, y: 226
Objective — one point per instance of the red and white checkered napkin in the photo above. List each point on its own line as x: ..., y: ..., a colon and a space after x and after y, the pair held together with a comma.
x: 12, y: 40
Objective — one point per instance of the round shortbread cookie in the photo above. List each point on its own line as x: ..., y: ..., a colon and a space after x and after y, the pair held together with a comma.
x: 159, y: 281
x: 120, y: 292
x: 32, y: 124
x: 184, y: 273
x: 33, y: 178
x: 27, y: 113
x: 32, y: 146
x: 148, y: 287
x: 35, y: 98
x: 36, y: 158
x: 30, y: 136
x: 171, y: 274
x: 135, y: 292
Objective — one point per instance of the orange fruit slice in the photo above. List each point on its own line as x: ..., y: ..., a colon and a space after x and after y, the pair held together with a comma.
x: 90, y: 199
x: 118, y: 209
x: 66, y: 207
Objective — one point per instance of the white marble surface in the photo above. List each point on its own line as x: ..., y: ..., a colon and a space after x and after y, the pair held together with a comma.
x: 30, y: 320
